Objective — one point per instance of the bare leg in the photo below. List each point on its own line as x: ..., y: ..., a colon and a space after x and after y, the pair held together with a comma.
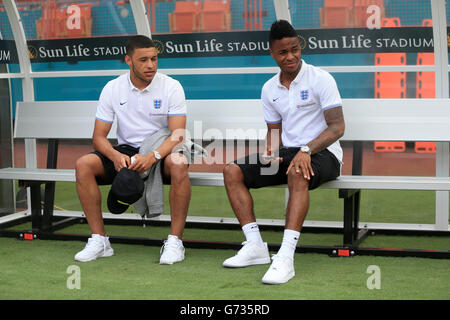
x: 87, y: 168
x: 240, y: 198
x: 176, y: 167
x: 298, y: 203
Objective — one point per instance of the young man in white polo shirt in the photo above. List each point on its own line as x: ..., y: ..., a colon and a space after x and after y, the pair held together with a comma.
x: 303, y: 103
x: 143, y: 101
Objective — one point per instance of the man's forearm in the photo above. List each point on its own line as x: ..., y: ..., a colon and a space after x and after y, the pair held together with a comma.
x: 102, y: 145
x: 326, y: 138
x: 168, y: 145
x: 273, y: 139
x: 336, y: 127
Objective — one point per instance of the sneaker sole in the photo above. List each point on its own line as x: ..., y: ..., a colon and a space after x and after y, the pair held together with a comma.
x: 106, y: 254
x: 284, y: 280
x: 248, y: 264
x: 170, y: 262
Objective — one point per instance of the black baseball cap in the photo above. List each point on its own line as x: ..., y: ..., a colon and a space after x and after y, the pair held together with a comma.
x: 126, y: 189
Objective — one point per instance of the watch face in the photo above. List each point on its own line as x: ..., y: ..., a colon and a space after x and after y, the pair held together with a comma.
x: 305, y: 149
x: 157, y: 155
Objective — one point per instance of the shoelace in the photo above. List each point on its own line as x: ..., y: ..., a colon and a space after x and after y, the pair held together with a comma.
x: 246, y: 249
x: 168, y: 245
x: 277, y: 261
x: 92, y: 242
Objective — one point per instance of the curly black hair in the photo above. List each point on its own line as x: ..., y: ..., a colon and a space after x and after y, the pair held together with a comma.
x: 281, y: 29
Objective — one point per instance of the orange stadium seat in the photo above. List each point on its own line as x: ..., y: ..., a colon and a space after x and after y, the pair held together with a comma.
x: 360, y: 11
x: 425, y: 88
x: 184, y: 18
x: 336, y: 14
x: 215, y: 16
x: 425, y: 82
x: 389, y: 146
x: 53, y: 23
x: 85, y: 29
x: 425, y: 147
x: 390, y: 85
x: 46, y: 24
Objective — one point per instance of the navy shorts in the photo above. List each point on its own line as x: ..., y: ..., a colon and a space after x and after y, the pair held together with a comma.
x: 325, y: 165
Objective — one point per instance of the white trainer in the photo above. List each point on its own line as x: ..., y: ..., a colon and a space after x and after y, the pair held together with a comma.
x: 280, y: 271
x: 172, y: 250
x: 252, y: 253
x: 97, y: 247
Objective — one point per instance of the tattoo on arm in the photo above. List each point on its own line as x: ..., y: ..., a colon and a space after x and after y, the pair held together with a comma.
x: 336, y: 126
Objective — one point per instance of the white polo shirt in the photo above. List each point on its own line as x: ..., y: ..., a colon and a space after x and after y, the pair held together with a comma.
x: 140, y: 112
x: 301, y: 108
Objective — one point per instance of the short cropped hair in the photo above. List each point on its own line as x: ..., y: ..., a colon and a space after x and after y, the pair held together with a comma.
x: 281, y: 29
x: 138, y: 42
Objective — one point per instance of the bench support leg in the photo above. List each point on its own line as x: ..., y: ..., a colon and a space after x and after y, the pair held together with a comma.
x: 52, y: 160
x: 47, y: 216
x: 356, y: 200
x: 351, y: 216
x: 349, y: 205
x: 36, y: 217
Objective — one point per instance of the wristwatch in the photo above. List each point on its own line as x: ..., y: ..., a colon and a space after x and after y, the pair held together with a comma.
x: 305, y: 149
x: 157, y: 155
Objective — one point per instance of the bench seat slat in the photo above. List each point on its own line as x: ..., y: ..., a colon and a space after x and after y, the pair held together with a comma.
x: 60, y: 175
x: 216, y: 179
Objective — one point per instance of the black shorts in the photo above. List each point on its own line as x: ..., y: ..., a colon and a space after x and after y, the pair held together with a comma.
x: 108, y: 165
x: 110, y: 170
x: 325, y: 165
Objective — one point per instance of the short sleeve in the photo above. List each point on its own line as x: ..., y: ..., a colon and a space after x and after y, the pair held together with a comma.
x: 105, y: 111
x: 177, y: 100
x: 329, y: 96
x: 270, y: 114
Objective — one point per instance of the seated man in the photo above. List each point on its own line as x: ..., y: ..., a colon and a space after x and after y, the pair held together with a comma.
x: 303, y: 102
x: 143, y: 102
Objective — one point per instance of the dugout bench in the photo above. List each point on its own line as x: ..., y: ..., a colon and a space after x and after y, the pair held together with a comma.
x: 234, y: 120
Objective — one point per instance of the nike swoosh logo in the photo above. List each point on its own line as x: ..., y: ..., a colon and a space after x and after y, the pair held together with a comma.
x: 122, y: 103
x: 275, y: 99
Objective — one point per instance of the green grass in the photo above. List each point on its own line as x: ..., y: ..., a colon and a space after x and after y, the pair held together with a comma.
x: 393, y: 206
x: 38, y: 270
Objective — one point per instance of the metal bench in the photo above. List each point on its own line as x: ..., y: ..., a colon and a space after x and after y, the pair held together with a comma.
x: 242, y: 120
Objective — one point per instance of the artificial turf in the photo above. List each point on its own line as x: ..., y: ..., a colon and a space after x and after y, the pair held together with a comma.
x: 38, y: 270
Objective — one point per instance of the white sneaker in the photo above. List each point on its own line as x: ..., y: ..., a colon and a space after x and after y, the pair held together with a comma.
x: 281, y: 270
x: 97, y: 247
x: 173, y: 250
x: 252, y: 253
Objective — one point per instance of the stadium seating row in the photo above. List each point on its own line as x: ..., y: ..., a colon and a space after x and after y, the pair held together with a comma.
x: 65, y: 21
x: 195, y: 16
x: 347, y: 13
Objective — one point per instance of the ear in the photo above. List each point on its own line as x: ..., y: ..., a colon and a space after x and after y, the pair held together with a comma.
x: 128, y: 60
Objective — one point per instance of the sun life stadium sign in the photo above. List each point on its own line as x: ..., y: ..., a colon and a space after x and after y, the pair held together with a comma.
x: 252, y: 43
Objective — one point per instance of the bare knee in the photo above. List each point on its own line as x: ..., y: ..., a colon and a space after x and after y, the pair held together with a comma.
x: 81, y: 165
x: 296, y: 181
x: 232, y: 174
x: 88, y: 165
x: 177, y: 166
